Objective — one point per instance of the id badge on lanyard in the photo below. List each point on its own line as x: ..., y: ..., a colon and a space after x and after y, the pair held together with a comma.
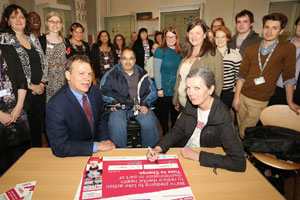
x: 261, y: 79
x: 6, y: 91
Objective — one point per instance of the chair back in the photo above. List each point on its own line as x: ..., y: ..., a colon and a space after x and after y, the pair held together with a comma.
x: 280, y: 115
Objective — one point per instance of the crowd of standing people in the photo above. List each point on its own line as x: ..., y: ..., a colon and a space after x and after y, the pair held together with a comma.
x: 211, y: 73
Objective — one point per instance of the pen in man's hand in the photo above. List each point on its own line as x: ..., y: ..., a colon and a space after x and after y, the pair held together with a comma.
x: 152, y: 154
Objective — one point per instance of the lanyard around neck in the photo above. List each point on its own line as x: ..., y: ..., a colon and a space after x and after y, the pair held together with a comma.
x: 267, y: 60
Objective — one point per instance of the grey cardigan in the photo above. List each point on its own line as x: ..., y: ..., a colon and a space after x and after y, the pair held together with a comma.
x: 215, y: 63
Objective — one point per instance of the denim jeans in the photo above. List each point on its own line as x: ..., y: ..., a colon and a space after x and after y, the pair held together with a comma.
x: 117, y: 125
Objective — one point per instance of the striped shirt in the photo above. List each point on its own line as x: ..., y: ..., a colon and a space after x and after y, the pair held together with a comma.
x: 231, y: 61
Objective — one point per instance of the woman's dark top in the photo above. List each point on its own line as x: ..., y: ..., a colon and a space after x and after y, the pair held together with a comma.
x: 219, y: 131
x: 140, y: 52
x: 84, y: 49
x: 35, y: 65
x: 12, y: 76
x: 98, y: 61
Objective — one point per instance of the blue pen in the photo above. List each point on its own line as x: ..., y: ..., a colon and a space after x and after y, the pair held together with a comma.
x: 152, y: 154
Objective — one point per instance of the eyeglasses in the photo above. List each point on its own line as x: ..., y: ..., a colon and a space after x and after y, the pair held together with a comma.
x: 130, y: 59
x: 54, y: 22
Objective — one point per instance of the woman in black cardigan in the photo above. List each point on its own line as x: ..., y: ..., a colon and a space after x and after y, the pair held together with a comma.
x: 142, y: 48
x: 15, y: 136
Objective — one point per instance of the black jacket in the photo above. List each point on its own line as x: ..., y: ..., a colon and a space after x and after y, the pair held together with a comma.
x: 218, y: 132
x: 140, y: 52
x: 14, y: 70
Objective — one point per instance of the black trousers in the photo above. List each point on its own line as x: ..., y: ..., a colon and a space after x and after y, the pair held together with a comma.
x: 36, y: 113
x: 11, y: 155
x: 227, y: 97
x: 165, y: 106
x: 279, y: 97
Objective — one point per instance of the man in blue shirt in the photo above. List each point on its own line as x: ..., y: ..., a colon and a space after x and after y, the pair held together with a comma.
x: 76, y: 123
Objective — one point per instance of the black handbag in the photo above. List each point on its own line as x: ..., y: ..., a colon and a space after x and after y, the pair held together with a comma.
x: 15, y: 134
x: 282, y: 142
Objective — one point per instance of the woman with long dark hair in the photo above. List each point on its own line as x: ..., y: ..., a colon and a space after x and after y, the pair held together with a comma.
x: 197, y: 51
x: 15, y: 32
x: 119, y: 46
x: 142, y: 48
x: 166, y: 61
x: 103, y: 55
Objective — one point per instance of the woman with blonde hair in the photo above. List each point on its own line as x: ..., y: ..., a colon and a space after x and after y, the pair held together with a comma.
x: 54, y: 47
x: 197, y: 51
x: 166, y: 61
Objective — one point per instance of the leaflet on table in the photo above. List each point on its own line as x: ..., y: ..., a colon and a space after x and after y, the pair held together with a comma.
x: 137, y: 178
x: 22, y: 191
x: 91, y: 182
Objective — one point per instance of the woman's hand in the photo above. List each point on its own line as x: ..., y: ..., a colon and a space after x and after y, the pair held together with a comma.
x: 5, y: 118
x: 15, y: 113
x: 160, y: 93
x: 190, y: 154
x: 156, y: 152
x: 177, y: 107
x: 37, y: 89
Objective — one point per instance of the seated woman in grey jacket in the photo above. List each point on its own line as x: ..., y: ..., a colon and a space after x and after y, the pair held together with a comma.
x: 205, y: 122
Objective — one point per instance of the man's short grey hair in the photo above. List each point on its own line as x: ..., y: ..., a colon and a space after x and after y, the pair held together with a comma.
x: 205, y: 73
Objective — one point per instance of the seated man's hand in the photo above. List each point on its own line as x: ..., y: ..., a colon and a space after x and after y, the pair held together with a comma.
x: 115, y: 108
x: 294, y: 107
x: 156, y: 152
x: 190, y: 154
x: 143, y: 110
x: 106, y: 145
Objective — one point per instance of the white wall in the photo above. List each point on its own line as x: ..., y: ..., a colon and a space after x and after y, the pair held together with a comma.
x: 212, y: 9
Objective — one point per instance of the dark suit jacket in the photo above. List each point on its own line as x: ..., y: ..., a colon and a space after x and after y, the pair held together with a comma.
x: 67, y: 126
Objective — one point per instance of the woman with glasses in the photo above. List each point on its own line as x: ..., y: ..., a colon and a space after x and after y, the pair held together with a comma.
x: 231, y: 61
x: 53, y: 44
x: 15, y: 32
x: 216, y: 23
x: 166, y: 61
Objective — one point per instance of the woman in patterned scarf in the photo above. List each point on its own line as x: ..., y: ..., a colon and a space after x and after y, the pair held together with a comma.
x: 14, y: 28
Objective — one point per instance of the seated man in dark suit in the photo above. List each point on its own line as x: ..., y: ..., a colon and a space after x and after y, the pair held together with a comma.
x: 76, y: 123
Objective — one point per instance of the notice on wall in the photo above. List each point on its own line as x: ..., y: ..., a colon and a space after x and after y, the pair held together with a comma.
x: 137, y: 178
x: 81, y: 17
